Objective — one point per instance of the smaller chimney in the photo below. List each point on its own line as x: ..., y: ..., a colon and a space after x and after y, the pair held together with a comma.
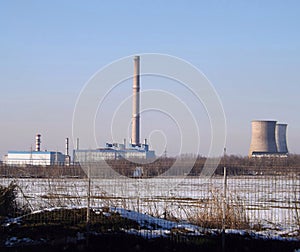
x: 77, y: 144
x: 67, y: 147
x: 38, y: 142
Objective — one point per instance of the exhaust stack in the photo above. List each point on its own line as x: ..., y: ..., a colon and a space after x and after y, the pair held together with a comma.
x: 135, y: 133
x: 67, y: 147
x: 38, y: 142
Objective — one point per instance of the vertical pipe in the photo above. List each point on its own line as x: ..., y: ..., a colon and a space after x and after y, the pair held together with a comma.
x: 77, y: 144
x: 135, y: 133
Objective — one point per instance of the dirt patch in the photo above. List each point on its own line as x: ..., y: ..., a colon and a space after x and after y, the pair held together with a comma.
x: 67, y: 230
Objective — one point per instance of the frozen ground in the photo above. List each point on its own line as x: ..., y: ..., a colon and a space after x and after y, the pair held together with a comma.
x: 273, y: 203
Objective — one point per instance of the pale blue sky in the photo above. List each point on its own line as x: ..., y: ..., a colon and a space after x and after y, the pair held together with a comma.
x: 249, y: 50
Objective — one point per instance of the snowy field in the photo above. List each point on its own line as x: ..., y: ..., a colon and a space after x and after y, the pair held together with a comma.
x: 271, y: 202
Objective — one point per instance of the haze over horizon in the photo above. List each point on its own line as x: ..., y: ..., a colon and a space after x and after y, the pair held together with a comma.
x: 250, y: 52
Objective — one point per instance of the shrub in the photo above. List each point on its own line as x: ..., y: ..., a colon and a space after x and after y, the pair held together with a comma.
x: 8, y: 204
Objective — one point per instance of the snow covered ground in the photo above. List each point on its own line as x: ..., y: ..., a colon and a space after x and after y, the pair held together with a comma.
x: 270, y: 202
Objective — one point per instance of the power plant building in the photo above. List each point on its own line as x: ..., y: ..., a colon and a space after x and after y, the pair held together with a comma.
x: 268, y: 139
x: 42, y: 158
x: 134, y: 150
x: 115, y: 151
x: 36, y: 157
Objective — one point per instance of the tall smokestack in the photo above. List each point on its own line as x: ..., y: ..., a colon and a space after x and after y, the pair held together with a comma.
x: 135, y: 134
x: 38, y: 142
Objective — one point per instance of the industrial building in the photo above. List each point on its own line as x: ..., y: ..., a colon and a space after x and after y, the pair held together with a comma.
x: 135, y: 150
x: 37, y: 157
x: 268, y: 139
x: 113, y: 152
x: 42, y: 158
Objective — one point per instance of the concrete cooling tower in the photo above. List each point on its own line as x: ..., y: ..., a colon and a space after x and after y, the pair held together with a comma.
x: 280, y: 136
x: 263, y: 138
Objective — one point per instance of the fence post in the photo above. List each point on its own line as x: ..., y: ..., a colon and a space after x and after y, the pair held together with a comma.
x: 224, y: 203
x: 88, y: 197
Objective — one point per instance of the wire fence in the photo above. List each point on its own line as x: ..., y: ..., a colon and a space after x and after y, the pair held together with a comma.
x: 259, y: 202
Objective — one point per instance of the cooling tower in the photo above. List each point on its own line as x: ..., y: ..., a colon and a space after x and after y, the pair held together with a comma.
x: 263, y: 137
x: 280, y: 136
x: 135, y: 133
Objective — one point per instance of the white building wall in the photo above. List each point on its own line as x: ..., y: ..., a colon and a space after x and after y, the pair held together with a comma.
x: 34, y: 158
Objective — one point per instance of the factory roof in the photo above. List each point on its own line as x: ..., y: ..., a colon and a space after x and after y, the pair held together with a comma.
x: 111, y: 150
x: 33, y: 152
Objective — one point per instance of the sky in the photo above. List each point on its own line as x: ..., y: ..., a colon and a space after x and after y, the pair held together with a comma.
x: 249, y: 51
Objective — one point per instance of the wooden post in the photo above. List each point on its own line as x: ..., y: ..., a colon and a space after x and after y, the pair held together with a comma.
x: 88, y: 196
x: 224, y: 203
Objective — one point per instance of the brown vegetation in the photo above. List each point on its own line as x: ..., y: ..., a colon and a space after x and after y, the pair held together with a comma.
x: 209, y: 212
x: 236, y: 165
x: 8, y: 199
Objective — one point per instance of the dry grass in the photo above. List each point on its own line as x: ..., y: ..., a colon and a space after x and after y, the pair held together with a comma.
x: 209, y: 213
x: 8, y: 199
